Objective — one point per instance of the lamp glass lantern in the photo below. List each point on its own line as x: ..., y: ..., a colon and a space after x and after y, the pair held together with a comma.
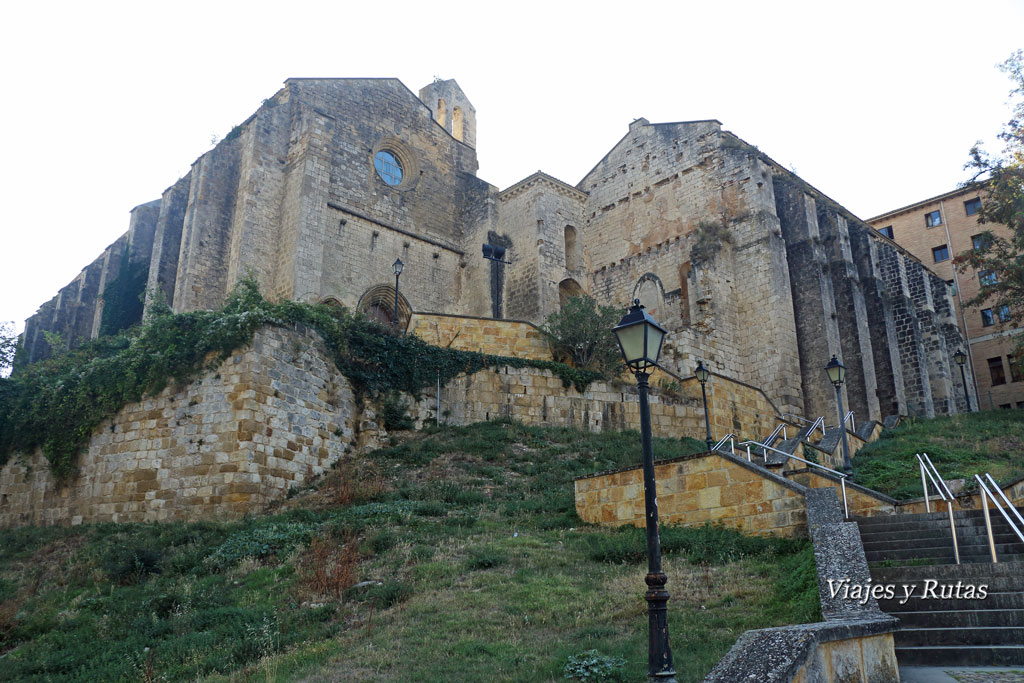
x: 836, y: 371
x: 397, y: 266
x: 640, y: 338
x: 960, y: 357
x: 701, y: 372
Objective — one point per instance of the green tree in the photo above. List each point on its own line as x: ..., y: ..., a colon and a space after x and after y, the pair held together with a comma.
x: 581, y: 332
x: 1000, y: 179
x: 8, y: 346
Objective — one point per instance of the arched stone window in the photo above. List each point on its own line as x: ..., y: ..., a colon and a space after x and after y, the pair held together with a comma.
x: 442, y: 112
x: 457, y: 123
x: 567, y: 289
x: 571, y: 260
x: 378, y: 303
x: 651, y: 294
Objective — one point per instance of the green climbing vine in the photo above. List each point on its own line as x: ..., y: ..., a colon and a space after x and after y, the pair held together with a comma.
x: 58, y: 403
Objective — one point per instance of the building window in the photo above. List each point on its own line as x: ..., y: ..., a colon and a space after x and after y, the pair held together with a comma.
x: 987, y: 278
x: 987, y: 319
x: 979, y: 241
x: 388, y: 167
x: 940, y: 253
x: 932, y: 219
x: 1003, y: 313
x: 1005, y: 406
x: 995, y: 369
x: 972, y: 206
x: 887, y: 231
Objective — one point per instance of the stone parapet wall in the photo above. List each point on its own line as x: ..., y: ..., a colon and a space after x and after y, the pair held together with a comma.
x: 537, y: 397
x: 271, y: 417
x: 699, y: 489
x: 860, y: 501
x: 513, y: 338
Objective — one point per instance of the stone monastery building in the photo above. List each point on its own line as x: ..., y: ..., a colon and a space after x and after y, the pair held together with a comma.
x: 749, y: 267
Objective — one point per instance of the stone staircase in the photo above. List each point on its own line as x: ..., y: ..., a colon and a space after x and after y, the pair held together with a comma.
x: 940, y: 627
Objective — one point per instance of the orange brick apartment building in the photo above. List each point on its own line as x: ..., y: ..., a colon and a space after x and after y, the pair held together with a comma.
x: 935, y: 230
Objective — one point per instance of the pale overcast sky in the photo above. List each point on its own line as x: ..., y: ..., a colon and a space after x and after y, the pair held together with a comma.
x: 107, y: 104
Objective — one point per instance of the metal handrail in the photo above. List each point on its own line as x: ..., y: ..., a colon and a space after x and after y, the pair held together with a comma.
x: 999, y: 490
x: 731, y: 438
x: 842, y: 476
x: 780, y: 428
x: 928, y: 468
x: 849, y: 418
x: 988, y: 520
x: 818, y: 424
x: 795, y: 418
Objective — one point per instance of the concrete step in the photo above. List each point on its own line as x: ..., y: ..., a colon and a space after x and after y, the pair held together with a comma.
x: 969, y: 635
x: 964, y: 538
x: 960, y: 655
x: 1001, y: 577
x: 960, y: 618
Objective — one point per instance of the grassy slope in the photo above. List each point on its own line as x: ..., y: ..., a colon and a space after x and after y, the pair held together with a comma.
x: 959, y: 446
x: 480, y: 571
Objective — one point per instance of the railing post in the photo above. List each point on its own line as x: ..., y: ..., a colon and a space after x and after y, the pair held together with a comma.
x: 988, y: 526
x: 924, y: 485
x: 952, y: 530
x: 748, y: 453
x: 846, y: 510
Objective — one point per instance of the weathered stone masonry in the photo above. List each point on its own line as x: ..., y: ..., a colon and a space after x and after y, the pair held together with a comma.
x: 751, y: 270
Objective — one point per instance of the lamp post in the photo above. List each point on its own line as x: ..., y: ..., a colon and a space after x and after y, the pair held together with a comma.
x: 960, y: 357
x: 640, y: 338
x: 397, y: 267
x: 703, y: 374
x: 836, y: 374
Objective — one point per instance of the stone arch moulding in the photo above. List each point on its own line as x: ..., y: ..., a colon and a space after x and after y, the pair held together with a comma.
x: 407, y: 158
x: 568, y: 288
x: 442, y: 112
x: 378, y: 303
x: 651, y: 293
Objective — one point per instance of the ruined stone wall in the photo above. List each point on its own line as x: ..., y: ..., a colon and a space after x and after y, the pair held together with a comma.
x: 695, y: 490
x: 271, y: 417
x: 666, y: 189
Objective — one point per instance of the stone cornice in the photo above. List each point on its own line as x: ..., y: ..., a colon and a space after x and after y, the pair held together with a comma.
x: 539, y: 178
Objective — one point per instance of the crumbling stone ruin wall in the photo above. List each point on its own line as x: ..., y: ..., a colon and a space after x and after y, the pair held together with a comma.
x: 751, y: 270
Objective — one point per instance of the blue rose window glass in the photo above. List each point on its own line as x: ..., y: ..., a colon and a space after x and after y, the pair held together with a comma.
x: 388, y: 167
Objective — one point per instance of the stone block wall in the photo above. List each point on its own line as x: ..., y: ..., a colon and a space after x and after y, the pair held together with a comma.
x: 698, y: 489
x: 515, y: 338
x: 271, y: 417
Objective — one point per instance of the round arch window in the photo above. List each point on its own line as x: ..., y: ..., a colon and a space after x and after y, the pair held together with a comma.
x: 389, y: 168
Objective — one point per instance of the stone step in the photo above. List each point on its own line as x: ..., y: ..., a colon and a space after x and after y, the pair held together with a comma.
x: 996, y: 600
x: 929, y: 524
x: 969, y: 540
x: 960, y: 655
x: 1003, y: 535
x: 936, y: 515
x: 944, y: 552
x: 1001, y: 577
x: 970, y: 635
x: 960, y: 618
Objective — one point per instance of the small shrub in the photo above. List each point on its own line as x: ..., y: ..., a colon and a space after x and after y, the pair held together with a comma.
x: 328, y: 568
x: 386, y: 594
x: 126, y: 566
x: 259, y: 542
x: 594, y: 666
x: 393, y: 412
x: 383, y: 541
x: 486, y: 557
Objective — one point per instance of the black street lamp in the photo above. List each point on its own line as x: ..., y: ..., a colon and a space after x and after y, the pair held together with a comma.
x: 960, y: 357
x: 640, y: 338
x: 703, y: 374
x: 397, y: 267
x: 836, y: 374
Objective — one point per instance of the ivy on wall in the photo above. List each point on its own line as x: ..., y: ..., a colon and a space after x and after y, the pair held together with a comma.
x: 123, y: 297
x: 57, y: 404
